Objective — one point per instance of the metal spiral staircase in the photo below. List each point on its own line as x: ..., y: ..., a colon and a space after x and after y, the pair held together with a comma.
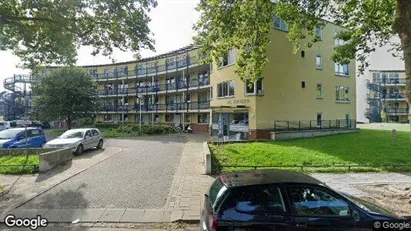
x: 375, y: 105
x: 16, y: 100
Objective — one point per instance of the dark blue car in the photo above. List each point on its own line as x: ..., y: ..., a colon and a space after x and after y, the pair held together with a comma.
x: 287, y: 201
x: 16, y: 138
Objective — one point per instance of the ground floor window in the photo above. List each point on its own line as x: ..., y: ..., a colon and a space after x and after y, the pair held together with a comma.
x: 203, y: 118
x: 156, y: 118
x: 169, y: 117
x: 187, y: 118
x: 230, y: 126
x: 108, y: 118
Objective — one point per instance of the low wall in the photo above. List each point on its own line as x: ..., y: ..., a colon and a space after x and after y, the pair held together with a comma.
x: 309, y: 133
x: 207, y: 158
x: 19, y: 151
x: 51, y: 159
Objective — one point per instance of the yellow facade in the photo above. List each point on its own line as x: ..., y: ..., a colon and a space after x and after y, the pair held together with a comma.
x: 283, y: 96
x: 387, y: 95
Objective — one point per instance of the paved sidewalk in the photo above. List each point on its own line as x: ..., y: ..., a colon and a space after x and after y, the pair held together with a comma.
x: 190, y: 183
x: 29, y: 186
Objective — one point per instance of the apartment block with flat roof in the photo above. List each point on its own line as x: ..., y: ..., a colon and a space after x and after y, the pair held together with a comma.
x: 386, y: 96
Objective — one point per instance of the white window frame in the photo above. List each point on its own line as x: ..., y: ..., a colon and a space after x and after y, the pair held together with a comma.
x: 231, y: 57
x: 227, y: 89
x: 321, y: 91
x: 255, y: 87
x: 345, y: 97
x: 340, y: 69
x: 280, y: 24
x: 320, y: 67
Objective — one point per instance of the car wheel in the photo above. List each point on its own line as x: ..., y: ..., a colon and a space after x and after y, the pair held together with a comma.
x: 79, y: 149
x: 42, y: 145
x: 100, y: 144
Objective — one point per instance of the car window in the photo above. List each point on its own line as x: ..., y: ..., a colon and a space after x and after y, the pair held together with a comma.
x: 257, y: 199
x: 215, y: 193
x: 94, y: 132
x: 317, y: 202
x: 88, y: 133
x: 34, y: 132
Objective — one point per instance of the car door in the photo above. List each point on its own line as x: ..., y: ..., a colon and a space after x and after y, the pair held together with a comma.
x: 88, y: 140
x: 35, y: 138
x: 95, y: 137
x: 259, y: 207
x: 22, y: 140
x: 317, y: 208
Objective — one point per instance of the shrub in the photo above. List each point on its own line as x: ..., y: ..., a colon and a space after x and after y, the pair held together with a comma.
x: 85, y: 122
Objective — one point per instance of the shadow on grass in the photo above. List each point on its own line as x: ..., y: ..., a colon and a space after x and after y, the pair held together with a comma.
x: 368, y: 147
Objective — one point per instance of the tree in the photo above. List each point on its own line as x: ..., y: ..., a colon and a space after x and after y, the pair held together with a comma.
x: 44, y: 32
x: 245, y: 25
x: 67, y: 93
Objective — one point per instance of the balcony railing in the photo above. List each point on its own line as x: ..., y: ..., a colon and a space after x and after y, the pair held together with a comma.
x: 175, y: 107
x: 391, y: 81
x: 396, y: 110
x: 300, y: 125
x: 143, y: 71
x: 393, y: 96
x: 161, y: 87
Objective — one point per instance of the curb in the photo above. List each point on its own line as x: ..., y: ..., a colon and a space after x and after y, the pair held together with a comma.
x: 54, y: 185
x: 4, y: 191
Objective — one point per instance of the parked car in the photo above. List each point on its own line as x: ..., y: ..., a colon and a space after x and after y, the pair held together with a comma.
x: 78, y: 140
x: 16, y: 138
x: 284, y: 200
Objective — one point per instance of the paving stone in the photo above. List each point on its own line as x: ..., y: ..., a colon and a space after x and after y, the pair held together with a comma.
x: 133, y: 215
x: 176, y: 215
x: 112, y: 215
x: 153, y: 215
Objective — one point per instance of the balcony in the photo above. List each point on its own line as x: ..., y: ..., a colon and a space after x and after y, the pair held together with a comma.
x: 396, y: 111
x: 170, y: 107
x: 393, y: 81
x: 144, y: 71
x: 393, y: 96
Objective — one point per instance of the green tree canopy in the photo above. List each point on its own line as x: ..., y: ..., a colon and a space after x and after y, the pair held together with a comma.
x: 65, y: 93
x: 44, y: 32
x: 245, y: 25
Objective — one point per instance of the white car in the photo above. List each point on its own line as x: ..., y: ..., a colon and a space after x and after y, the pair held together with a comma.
x: 78, y: 140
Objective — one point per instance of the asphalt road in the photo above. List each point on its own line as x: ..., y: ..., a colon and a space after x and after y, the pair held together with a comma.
x: 138, y: 177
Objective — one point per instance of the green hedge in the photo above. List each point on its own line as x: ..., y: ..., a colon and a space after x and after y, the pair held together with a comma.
x: 132, y: 130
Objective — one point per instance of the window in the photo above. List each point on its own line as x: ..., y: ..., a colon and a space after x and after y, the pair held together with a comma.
x: 319, y: 32
x: 187, y: 118
x: 227, y: 59
x: 319, y: 62
x: 342, y: 69
x: 202, y: 118
x: 280, y: 24
x: 34, y: 133
x: 94, y: 132
x: 342, y: 94
x: 319, y: 91
x: 88, y: 133
x: 211, y: 92
x: 169, y: 117
x: 303, y: 84
x: 226, y: 89
x: 261, y: 199
x: 319, y: 119
x: 255, y: 88
x: 302, y: 54
x: 156, y: 118
x: 107, y: 118
x: 312, y: 201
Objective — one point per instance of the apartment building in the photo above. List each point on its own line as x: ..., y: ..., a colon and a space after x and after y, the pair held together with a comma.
x: 307, y: 89
x: 386, y: 96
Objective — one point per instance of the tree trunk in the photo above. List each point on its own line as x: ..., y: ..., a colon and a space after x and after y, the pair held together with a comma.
x: 69, y: 122
x: 403, y: 28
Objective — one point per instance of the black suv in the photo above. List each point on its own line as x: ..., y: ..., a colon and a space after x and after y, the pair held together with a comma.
x: 284, y: 200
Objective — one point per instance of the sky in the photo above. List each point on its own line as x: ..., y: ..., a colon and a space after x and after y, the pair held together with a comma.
x: 171, y: 23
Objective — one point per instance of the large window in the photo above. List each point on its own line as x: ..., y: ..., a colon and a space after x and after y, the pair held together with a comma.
x: 226, y: 89
x: 255, y: 88
x: 308, y: 201
x: 342, y: 94
x: 280, y: 24
x: 107, y: 118
x: 319, y: 91
x: 228, y: 59
x: 319, y: 62
x: 202, y: 118
x: 342, y: 69
x: 319, y: 32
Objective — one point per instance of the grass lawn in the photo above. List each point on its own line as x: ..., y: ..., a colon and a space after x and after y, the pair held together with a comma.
x: 31, y: 167
x: 366, y: 147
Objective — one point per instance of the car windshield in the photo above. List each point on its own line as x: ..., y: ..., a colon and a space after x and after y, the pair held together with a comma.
x: 72, y: 134
x: 8, y: 134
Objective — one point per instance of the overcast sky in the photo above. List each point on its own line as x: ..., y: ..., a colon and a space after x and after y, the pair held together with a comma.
x: 171, y: 24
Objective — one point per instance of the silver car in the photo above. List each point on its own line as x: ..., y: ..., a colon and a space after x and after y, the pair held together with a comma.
x: 78, y: 140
